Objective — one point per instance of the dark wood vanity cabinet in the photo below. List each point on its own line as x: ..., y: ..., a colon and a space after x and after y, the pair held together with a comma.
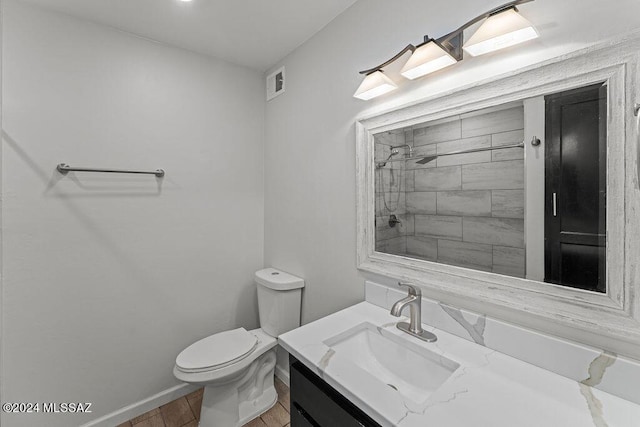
x: 315, y: 403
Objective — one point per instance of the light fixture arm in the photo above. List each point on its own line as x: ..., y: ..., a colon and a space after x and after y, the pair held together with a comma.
x: 453, y: 34
x: 451, y: 42
x: 408, y: 48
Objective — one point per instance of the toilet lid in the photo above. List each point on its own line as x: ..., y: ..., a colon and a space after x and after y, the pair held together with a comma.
x: 217, y: 351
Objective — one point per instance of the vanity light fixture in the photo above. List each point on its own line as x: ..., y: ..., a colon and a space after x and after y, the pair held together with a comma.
x: 375, y: 84
x: 428, y: 57
x: 503, y: 27
x: 500, y: 30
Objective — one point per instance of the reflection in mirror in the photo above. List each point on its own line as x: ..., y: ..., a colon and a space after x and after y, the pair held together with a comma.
x: 470, y: 191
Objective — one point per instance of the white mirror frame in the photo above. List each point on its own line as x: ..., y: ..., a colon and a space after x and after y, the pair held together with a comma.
x: 610, y: 321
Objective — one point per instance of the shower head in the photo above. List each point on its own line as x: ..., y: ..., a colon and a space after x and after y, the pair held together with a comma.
x: 382, y: 164
x: 426, y: 160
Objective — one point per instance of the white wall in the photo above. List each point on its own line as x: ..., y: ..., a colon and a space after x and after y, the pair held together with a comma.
x: 108, y: 277
x: 310, y: 134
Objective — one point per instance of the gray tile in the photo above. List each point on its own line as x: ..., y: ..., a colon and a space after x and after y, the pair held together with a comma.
x: 507, y: 154
x: 438, y: 179
x: 494, y: 122
x: 464, y: 159
x: 384, y: 231
x: 437, y: 133
x: 381, y: 152
x: 463, y: 145
x: 439, y: 226
x: 423, y: 247
x: 395, y: 204
x: 494, y: 176
x: 386, y: 138
x: 509, y: 261
x: 474, y: 203
x: 408, y: 136
x: 396, y: 246
x: 421, y: 202
x: 422, y: 151
x: 494, y: 231
x: 409, y: 224
x: 507, y: 138
x: 390, y: 180
x: 410, y: 181
x: 465, y: 254
x: 425, y: 150
x: 507, y: 203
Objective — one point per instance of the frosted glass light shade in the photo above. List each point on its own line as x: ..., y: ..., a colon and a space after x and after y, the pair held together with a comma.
x: 375, y: 84
x: 499, y: 31
x: 426, y: 59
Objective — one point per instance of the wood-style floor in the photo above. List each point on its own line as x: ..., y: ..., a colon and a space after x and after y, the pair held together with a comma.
x: 185, y: 412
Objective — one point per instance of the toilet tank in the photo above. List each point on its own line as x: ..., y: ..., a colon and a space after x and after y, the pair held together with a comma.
x: 279, y: 298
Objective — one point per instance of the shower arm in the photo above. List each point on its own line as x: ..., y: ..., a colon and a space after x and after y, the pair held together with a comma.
x: 404, y: 146
x: 427, y: 159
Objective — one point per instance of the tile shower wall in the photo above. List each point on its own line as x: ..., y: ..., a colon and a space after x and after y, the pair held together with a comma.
x: 390, y: 194
x: 467, y: 209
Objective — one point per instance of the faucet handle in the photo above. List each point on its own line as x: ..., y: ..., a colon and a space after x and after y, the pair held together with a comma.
x: 413, y: 289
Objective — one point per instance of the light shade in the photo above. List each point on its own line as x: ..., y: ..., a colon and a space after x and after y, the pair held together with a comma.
x: 375, y: 84
x: 499, y: 31
x: 426, y: 59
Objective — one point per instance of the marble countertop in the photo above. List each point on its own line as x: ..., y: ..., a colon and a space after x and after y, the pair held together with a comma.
x: 489, y: 389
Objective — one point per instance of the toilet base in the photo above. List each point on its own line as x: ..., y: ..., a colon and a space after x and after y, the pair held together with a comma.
x: 235, y: 403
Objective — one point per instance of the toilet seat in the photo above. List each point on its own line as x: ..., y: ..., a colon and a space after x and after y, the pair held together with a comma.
x: 217, y: 351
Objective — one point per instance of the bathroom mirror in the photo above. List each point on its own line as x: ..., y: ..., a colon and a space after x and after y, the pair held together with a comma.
x: 469, y: 191
x: 543, y: 235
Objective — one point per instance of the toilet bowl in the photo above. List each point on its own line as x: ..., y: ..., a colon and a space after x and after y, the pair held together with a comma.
x: 236, y: 367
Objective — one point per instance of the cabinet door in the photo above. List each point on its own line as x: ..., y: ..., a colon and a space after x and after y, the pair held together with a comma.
x: 299, y: 418
x: 318, y: 404
x: 576, y: 176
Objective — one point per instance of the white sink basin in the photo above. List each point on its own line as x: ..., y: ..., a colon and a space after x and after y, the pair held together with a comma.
x: 413, y: 371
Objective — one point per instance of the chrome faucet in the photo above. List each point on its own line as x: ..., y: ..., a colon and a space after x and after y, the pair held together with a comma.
x: 414, y: 301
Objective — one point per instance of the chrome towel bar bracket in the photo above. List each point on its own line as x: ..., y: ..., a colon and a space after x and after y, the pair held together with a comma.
x: 63, y: 168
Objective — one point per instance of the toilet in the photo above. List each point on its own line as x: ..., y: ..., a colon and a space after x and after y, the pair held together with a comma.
x: 236, y: 367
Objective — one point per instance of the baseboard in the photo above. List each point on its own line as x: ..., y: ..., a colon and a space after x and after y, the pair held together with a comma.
x: 128, y: 412
x: 282, y: 374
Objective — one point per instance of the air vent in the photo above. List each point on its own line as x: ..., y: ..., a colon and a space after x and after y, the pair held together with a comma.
x: 275, y: 84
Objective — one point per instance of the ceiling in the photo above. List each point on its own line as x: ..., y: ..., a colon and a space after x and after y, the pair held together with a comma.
x: 253, y: 33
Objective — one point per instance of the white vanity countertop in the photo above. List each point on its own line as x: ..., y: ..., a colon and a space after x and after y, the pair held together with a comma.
x: 489, y: 389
